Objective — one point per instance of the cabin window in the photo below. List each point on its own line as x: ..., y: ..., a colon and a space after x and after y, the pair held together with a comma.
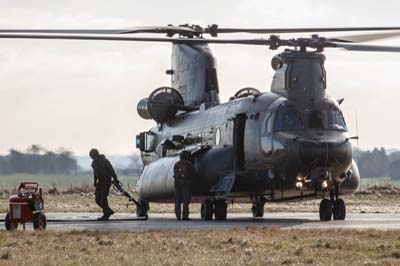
x: 269, y: 124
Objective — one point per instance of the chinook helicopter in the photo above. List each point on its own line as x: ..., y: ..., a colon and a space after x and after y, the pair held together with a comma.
x: 290, y: 144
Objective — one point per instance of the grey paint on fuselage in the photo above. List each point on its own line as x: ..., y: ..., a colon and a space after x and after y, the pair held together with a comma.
x: 260, y: 157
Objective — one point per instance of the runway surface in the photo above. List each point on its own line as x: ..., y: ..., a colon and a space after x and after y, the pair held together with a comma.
x: 167, y: 221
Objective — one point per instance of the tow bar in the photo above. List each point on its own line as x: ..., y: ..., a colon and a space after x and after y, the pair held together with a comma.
x: 141, y: 206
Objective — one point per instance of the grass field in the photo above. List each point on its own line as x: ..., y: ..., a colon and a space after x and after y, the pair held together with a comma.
x: 251, y: 246
x: 382, y: 181
x: 59, y: 181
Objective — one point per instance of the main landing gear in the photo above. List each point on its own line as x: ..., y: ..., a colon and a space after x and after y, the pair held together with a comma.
x: 209, y: 208
x: 332, y: 207
x: 258, y: 206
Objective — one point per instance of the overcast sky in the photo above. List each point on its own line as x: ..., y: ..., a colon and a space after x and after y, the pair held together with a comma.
x: 83, y: 94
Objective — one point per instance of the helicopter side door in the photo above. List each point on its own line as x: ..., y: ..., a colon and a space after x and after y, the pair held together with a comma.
x: 239, y: 125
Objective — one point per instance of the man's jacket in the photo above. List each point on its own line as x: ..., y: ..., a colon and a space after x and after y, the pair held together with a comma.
x: 183, y: 173
x: 103, y: 172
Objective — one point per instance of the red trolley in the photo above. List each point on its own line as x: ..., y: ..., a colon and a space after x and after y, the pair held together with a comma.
x: 27, y: 206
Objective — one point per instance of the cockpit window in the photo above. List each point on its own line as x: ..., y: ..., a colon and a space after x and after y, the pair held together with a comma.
x: 288, y: 119
x: 335, y: 120
x: 315, y: 119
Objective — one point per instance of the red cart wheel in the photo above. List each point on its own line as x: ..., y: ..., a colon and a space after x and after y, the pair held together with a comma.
x: 39, y: 221
x: 9, y: 224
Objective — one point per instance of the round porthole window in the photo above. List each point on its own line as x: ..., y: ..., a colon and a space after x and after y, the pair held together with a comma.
x: 218, y: 137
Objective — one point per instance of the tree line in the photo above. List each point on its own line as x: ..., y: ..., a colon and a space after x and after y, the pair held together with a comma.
x: 37, y: 160
x: 378, y: 163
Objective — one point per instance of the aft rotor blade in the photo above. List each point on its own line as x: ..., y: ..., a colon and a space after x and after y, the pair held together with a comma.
x: 368, y: 48
x: 149, y: 29
x: 367, y: 37
x: 301, y: 30
x: 138, y: 39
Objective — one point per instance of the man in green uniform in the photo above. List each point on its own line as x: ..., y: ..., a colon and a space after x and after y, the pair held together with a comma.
x: 103, y: 173
x: 183, y: 175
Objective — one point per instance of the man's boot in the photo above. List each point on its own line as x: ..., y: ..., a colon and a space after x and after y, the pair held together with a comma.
x: 178, y: 213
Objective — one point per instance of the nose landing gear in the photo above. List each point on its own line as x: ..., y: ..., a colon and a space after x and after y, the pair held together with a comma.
x: 325, y: 210
x: 332, y: 207
x: 339, y: 210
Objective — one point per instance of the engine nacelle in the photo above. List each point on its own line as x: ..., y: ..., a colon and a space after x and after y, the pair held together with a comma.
x: 161, y: 106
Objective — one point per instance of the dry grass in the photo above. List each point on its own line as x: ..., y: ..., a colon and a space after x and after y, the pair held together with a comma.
x: 84, y: 202
x: 223, y: 247
x: 383, y: 199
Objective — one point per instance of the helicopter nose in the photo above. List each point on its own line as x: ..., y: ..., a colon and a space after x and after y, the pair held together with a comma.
x: 325, y: 153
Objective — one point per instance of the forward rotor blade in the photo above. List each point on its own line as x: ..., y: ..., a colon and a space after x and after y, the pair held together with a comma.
x: 368, y: 48
x: 367, y: 37
x: 301, y: 30
x: 138, y: 39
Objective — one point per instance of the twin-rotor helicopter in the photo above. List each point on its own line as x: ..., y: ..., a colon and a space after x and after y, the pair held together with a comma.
x: 289, y: 144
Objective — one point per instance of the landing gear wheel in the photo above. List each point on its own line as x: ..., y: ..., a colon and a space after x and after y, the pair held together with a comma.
x: 207, y: 210
x: 325, y: 210
x: 257, y: 210
x: 220, y: 210
x: 10, y: 225
x: 39, y: 221
x: 339, y: 210
x: 258, y: 207
x: 141, y: 209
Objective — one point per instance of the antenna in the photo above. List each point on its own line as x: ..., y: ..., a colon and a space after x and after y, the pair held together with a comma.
x: 358, y: 144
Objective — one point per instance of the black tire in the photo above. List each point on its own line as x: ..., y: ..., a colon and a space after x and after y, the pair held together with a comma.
x: 142, y: 209
x: 39, y: 221
x: 220, y: 210
x: 9, y: 225
x: 339, y: 210
x: 257, y: 210
x: 325, y: 210
x: 207, y: 210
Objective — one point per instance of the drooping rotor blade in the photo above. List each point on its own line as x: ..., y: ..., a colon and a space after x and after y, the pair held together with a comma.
x: 138, y: 39
x: 148, y: 29
x: 367, y: 37
x: 301, y: 30
x: 367, y: 48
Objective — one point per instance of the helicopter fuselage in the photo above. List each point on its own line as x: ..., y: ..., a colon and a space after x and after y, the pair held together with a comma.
x: 268, y: 150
